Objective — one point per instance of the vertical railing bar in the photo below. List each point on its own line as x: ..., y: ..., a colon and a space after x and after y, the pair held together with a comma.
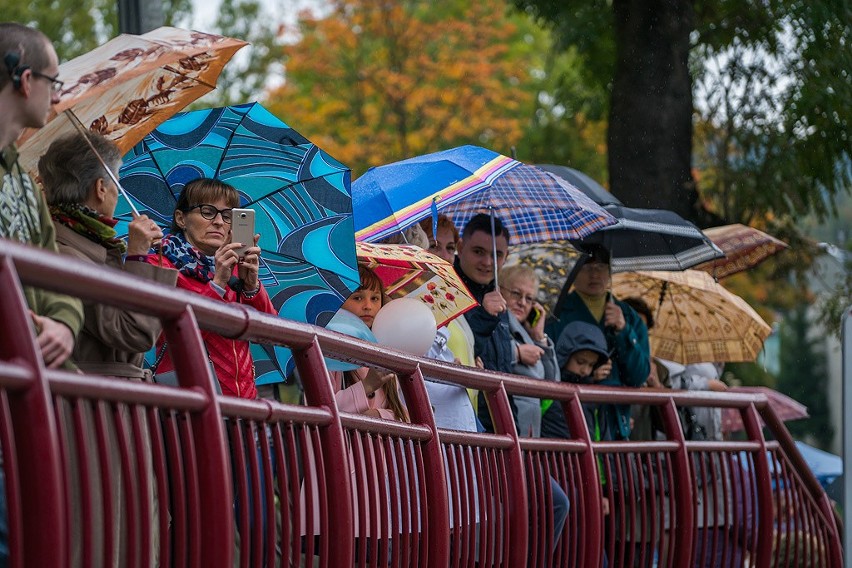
x: 318, y: 393
x: 234, y: 428
x: 158, y: 456
x: 193, y: 493
x: 106, y: 479
x: 9, y: 471
x: 753, y: 431
x: 142, y: 454
x: 179, y: 482
x: 129, y: 485
x: 84, y: 476
x: 42, y: 535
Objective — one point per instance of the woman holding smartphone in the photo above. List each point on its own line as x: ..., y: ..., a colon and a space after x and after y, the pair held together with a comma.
x: 208, y: 263
x: 535, y: 355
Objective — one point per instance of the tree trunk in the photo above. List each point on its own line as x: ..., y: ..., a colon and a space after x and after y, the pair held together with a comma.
x: 650, y: 126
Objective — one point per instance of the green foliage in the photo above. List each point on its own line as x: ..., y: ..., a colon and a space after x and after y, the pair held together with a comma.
x: 774, y: 131
x: 246, y: 76
x: 78, y: 26
x: 804, y: 377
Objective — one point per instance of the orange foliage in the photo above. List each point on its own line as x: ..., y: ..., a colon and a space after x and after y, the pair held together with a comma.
x: 378, y: 81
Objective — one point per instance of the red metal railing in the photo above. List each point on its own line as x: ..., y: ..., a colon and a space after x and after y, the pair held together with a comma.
x: 97, y: 467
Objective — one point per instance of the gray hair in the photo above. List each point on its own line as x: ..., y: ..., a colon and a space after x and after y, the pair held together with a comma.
x: 517, y: 272
x: 69, y: 169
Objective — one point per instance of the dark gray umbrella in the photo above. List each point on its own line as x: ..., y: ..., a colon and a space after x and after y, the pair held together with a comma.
x: 584, y: 183
x: 651, y: 239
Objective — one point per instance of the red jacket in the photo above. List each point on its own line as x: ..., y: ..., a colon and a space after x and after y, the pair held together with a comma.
x: 230, y: 357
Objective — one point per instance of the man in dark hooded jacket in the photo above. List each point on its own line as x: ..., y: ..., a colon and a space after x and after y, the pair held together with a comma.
x: 489, y: 321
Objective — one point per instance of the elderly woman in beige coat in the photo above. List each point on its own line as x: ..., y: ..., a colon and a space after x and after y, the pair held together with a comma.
x: 82, y: 200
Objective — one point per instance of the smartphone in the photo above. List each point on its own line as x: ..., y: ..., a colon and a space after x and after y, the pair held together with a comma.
x: 533, y: 317
x: 242, y: 229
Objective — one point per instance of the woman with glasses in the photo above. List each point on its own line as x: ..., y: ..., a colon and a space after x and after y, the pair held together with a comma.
x: 199, y: 246
x: 535, y: 356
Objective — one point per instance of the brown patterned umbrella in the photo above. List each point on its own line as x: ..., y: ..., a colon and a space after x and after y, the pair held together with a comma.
x: 127, y: 87
x: 744, y: 247
x: 696, y: 319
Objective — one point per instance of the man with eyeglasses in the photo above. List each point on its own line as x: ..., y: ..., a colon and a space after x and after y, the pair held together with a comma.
x: 28, y: 88
x: 626, y: 334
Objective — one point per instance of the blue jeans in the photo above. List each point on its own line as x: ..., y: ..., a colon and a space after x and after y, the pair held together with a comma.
x: 561, y: 506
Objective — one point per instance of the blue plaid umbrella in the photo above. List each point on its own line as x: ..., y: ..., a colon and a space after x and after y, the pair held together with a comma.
x: 300, y: 194
x: 534, y: 205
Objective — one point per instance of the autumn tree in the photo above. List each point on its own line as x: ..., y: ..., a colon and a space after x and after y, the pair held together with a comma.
x: 373, y: 82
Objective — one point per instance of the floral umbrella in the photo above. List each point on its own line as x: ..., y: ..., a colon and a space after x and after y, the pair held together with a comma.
x: 125, y: 88
x: 301, y: 196
x: 744, y: 248
x: 696, y: 319
x: 409, y: 271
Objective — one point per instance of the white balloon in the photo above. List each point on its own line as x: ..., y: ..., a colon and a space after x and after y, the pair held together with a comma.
x: 405, y: 324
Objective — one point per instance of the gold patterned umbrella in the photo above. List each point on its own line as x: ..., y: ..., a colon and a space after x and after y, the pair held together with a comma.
x: 127, y: 87
x: 744, y: 248
x: 696, y: 320
x: 552, y: 262
x: 409, y: 271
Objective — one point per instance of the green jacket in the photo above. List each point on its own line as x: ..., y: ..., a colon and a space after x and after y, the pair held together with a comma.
x: 24, y: 217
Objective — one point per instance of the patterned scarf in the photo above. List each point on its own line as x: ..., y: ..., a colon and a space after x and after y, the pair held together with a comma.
x: 187, y: 259
x: 86, y: 221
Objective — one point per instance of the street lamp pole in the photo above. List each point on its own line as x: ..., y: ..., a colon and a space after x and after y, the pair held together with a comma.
x: 139, y: 16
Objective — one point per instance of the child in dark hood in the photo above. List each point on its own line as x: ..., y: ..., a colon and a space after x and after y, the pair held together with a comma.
x: 583, y: 359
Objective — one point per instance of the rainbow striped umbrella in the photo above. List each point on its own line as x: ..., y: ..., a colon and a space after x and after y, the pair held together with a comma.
x: 535, y: 205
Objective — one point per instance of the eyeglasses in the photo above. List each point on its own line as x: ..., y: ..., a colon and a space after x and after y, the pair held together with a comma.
x: 598, y: 267
x: 55, y: 84
x: 209, y: 212
x: 519, y: 296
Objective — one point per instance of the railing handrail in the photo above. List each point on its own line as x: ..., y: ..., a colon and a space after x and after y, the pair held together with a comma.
x: 184, y: 311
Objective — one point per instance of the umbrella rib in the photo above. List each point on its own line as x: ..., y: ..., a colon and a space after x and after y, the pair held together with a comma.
x: 227, y: 144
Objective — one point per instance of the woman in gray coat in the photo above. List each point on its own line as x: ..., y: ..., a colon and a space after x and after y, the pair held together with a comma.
x: 534, y: 354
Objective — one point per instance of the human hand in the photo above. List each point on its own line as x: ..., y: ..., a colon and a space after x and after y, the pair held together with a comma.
x: 478, y: 363
x: 372, y: 413
x: 375, y: 380
x: 602, y: 372
x: 249, y: 265
x: 226, y: 259
x: 716, y: 385
x: 613, y: 316
x: 55, y: 340
x: 141, y: 234
x: 494, y: 303
x: 529, y: 354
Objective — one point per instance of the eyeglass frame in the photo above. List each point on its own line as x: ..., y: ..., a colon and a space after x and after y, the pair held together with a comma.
x: 517, y: 296
x: 221, y: 212
x: 55, y: 84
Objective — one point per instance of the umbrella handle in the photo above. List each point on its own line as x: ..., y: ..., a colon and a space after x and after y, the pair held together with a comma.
x: 83, y: 131
x: 494, y: 246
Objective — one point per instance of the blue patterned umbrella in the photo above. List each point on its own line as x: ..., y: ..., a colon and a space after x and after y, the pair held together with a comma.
x: 300, y: 194
x: 535, y: 205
